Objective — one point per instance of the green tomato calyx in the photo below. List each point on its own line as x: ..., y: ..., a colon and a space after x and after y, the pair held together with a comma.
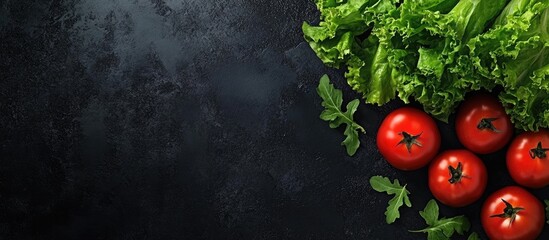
x: 486, y: 123
x: 509, y: 212
x: 409, y: 140
x: 538, y: 151
x: 456, y: 173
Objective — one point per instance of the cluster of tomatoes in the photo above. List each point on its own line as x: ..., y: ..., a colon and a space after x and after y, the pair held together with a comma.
x: 409, y: 139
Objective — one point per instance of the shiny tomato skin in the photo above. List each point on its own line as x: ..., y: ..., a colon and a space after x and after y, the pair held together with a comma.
x: 468, y: 188
x: 528, y: 223
x: 525, y: 170
x: 485, y: 140
x: 415, y: 123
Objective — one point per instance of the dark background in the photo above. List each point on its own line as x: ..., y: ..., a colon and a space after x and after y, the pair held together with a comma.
x: 185, y: 119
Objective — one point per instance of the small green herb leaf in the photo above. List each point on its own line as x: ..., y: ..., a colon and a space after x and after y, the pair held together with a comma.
x: 430, y: 213
x: 473, y: 236
x: 333, y: 99
x: 547, y: 210
x: 383, y: 184
x: 444, y: 228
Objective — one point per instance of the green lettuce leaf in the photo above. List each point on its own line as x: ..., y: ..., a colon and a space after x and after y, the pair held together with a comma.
x: 519, y: 30
x: 334, y: 37
x: 335, y: 51
x: 528, y: 106
x: 435, y: 51
x: 370, y: 73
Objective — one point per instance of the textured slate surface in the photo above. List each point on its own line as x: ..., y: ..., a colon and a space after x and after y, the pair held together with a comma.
x: 192, y: 119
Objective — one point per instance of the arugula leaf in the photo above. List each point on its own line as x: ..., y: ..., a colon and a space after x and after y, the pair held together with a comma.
x: 473, y: 236
x: 547, y: 210
x: 383, y: 184
x: 333, y: 99
x: 444, y: 228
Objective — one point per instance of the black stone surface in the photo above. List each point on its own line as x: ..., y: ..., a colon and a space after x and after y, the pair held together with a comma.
x: 185, y: 119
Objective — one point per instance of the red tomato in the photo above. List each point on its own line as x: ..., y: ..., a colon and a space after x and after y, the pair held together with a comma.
x: 408, y: 138
x: 527, y: 159
x: 482, y: 125
x: 457, y: 178
x: 512, y: 213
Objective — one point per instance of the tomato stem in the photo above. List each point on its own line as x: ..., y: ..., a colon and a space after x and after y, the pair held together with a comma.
x: 486, y: 123
x: 409, y: 140
x: 455, y: 173
x: 538, y: 152
x: 509, y: 211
